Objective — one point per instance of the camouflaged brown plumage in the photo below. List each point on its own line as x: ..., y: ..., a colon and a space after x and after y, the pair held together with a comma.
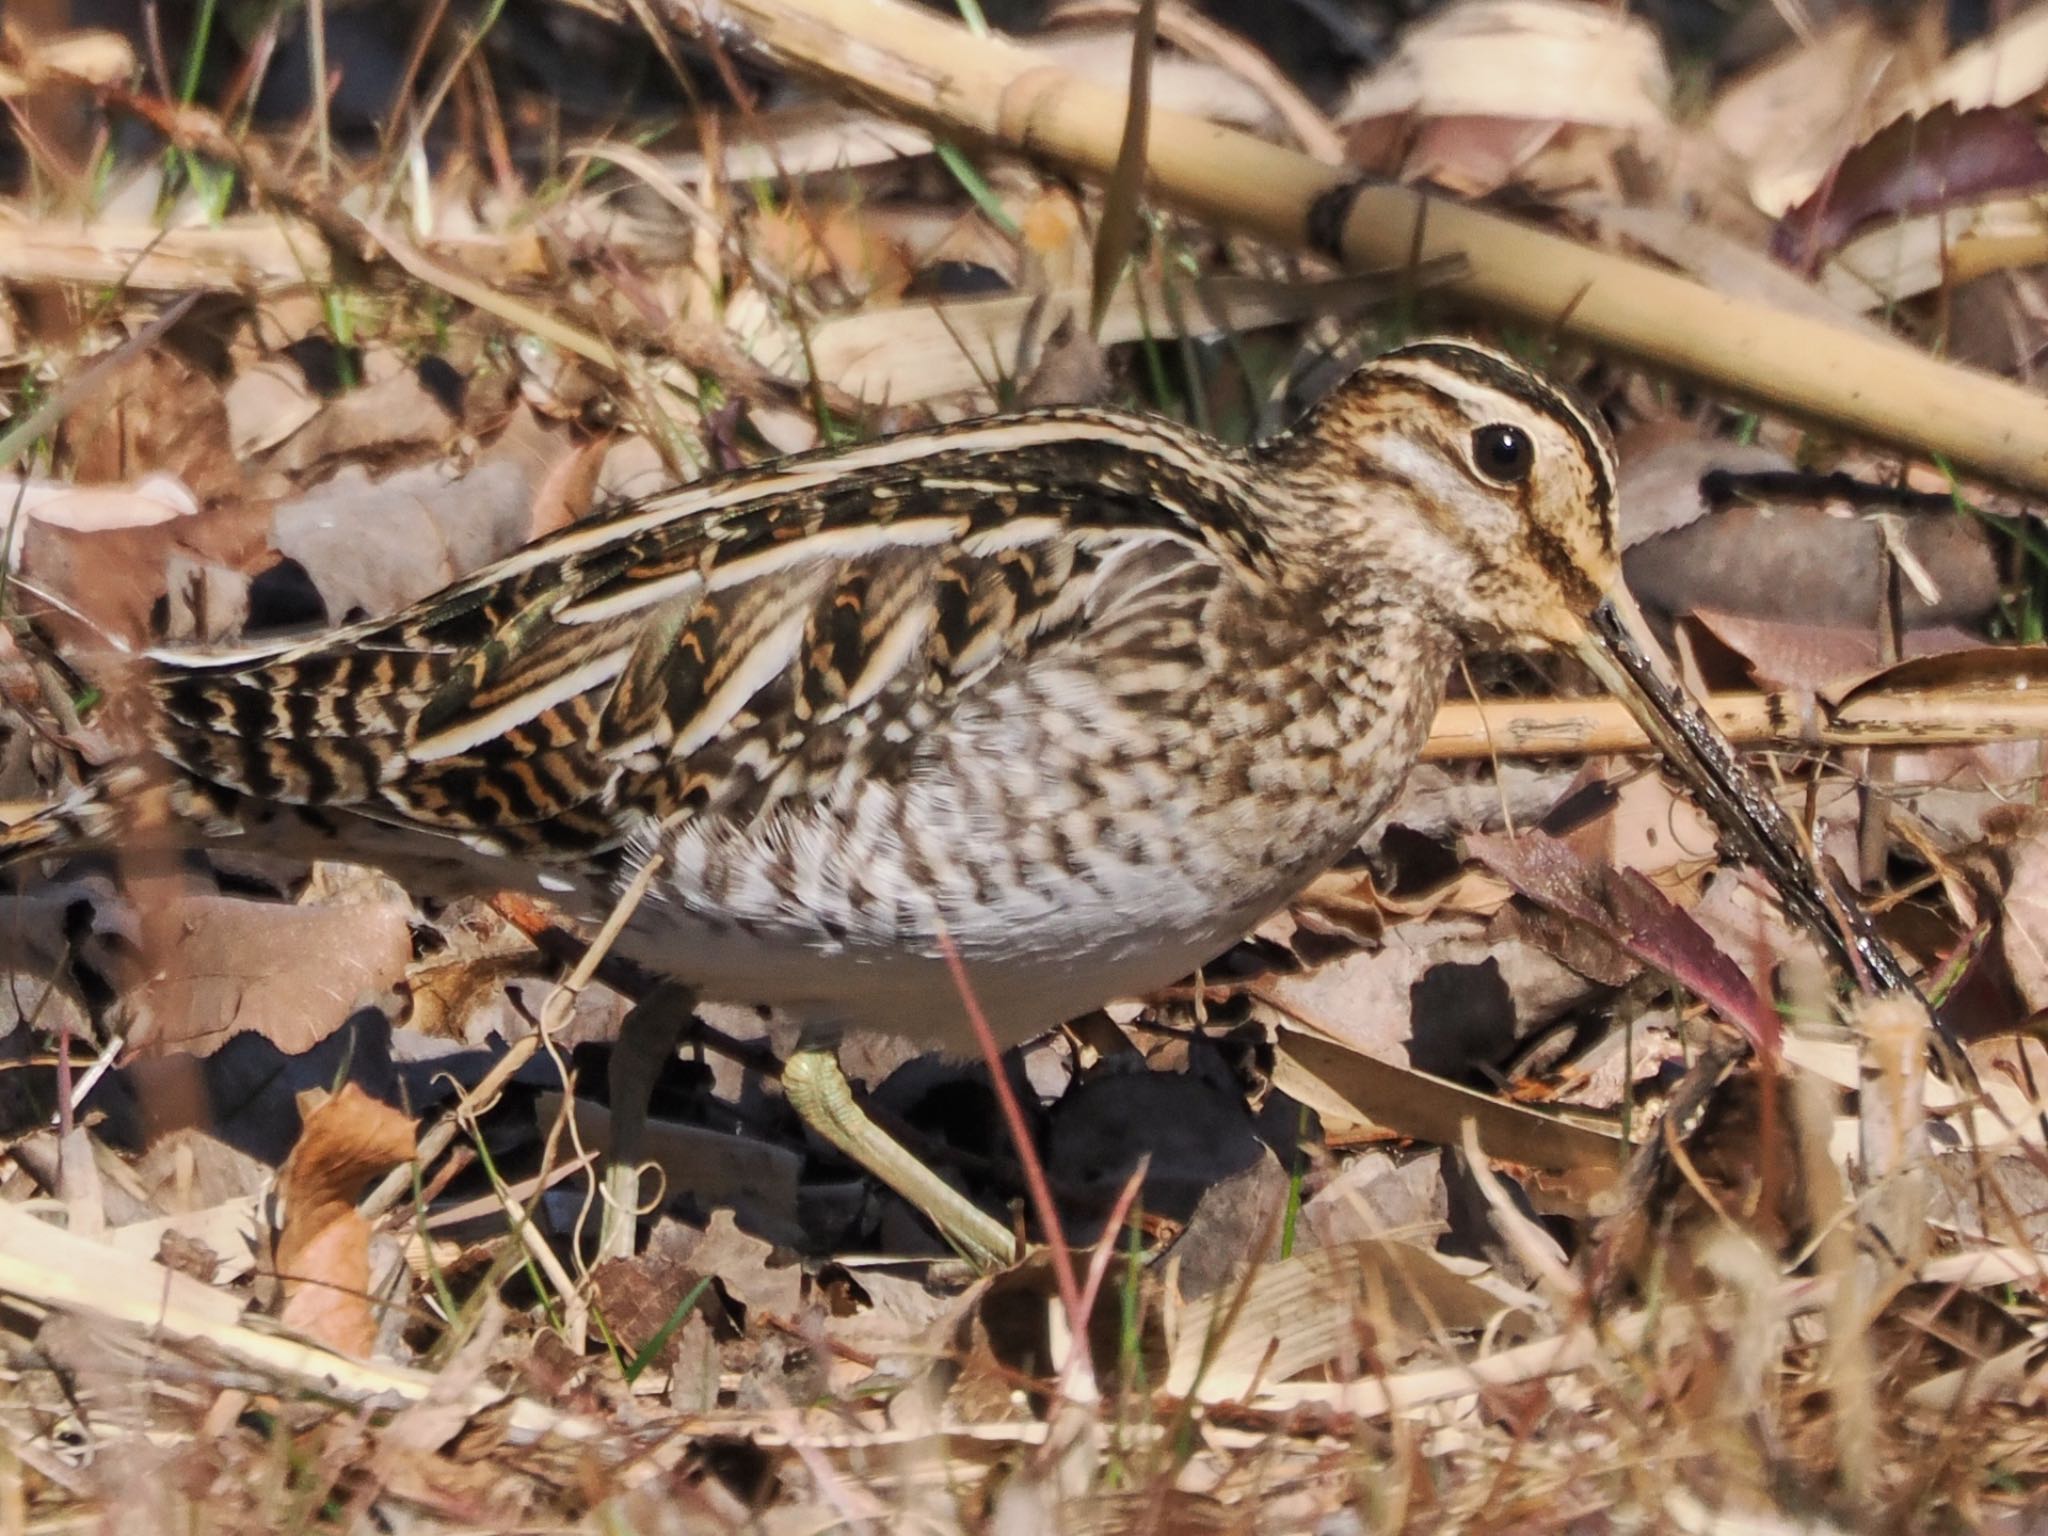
x: 1080, y: 691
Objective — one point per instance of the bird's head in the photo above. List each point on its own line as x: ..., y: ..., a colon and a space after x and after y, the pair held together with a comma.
x: 1481, y: 485
x: 1449, y: 476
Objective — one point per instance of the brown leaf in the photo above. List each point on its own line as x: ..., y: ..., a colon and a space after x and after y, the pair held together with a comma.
x: 1991, y: 672
x: 1817, y: 657
x: 115, y: 577
x: 154, y: 414
x: 370, y: 546
x: 567, y: 487
x: 395, y: 412
x: 1304, y: 1313
x: 1377, y: 1193
x: 1236, y: 1222
x: 639, y: 1297
x: 1824, y: 568
x: 268, y: 401
x: 1369, y: 999
x: 291, y: 974
x: 323, y: 1253
x: 1343, y: 1085
x: 839, y: 243
x: 1474, y: 156
x: 1662, y: 465
x: 746, y: 1268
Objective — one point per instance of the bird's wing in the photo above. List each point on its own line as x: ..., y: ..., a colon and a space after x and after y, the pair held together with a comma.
x: 737, y: 643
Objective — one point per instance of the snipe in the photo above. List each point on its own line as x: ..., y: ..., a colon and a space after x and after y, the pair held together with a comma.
x: 1081, y: 691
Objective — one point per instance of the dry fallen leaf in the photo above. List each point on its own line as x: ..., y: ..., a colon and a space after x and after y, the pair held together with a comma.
x: 323, y: 1251
x: 1786, y: 121
x: 292, y: 974
x: 1302, y: 1313
x: 1546, y: 60
x: 393, y: 413
x: 151, y: 443
x: 268, y: 401
x: 1817, y: 658
x: 1662, y: 465
x: 154, y: 414
x: 1347, y: 1088
x: 1489, y: 92
x: 1827, y: 567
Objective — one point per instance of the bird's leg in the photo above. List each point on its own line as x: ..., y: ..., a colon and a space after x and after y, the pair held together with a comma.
x: 818, y: 1091
x: 647, y: 1043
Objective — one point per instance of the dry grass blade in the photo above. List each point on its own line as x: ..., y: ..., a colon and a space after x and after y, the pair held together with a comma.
x: 48, y: 1267
x: 239, y: 256
x: 1117, y: 235
x: 1877, y: 714
x: 84, y: 58
x: 1301, y: 1314
x: 1405, y: 1102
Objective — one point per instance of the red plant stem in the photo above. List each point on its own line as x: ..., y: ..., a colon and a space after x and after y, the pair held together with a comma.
x: 1035, y: 1182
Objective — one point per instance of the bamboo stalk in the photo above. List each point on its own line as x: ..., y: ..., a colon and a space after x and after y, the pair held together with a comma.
x: 1960, y: 716
x: 912, y: 64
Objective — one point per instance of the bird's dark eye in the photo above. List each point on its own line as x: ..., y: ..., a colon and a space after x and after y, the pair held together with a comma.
x: 1503, y: 453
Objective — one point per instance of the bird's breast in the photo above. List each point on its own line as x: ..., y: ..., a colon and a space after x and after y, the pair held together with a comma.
x: 1069, y: 849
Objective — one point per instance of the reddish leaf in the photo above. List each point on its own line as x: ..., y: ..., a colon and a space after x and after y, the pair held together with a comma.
x: 1914, y: 165
x: 1631, y: 912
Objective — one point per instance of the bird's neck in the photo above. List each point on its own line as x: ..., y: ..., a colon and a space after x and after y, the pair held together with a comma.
x: 1386, y: 671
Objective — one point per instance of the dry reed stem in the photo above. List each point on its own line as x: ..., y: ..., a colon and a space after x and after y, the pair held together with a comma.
x: 910, y: 63
x: 245, y: 255
x: 1955, y: 716
x: 45, y: 1266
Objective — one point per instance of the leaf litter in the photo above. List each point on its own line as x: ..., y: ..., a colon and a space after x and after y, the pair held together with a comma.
x: 1451, y: 1199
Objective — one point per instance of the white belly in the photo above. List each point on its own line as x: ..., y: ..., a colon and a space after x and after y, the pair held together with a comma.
x: 839, y: 923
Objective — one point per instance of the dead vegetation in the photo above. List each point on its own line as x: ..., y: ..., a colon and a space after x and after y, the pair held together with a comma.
x: 1531, y: 1174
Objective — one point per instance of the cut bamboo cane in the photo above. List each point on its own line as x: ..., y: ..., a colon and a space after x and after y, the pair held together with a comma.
x: 1584, y: 727
x: 912, y: 64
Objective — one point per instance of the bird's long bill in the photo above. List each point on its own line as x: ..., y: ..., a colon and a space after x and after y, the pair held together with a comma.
x: 1755, y: 825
